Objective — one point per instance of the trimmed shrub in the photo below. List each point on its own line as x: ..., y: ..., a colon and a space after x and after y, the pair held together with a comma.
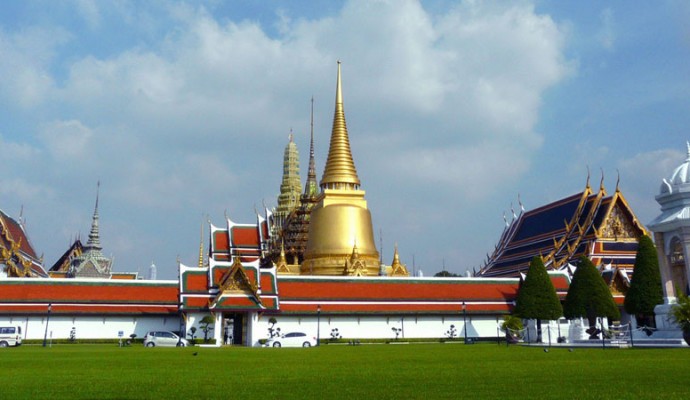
x: 645, y: 290
x: 589, y: 296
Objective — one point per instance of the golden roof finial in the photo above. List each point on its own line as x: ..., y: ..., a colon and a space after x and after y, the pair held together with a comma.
x: 201, y: 247
x: 340, y: 167
x: 396, y: 256
x: 355, y: 251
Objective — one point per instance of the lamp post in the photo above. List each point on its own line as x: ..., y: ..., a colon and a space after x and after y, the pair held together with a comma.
x: 45, y: 335
x: 318, y: 325
x: 464, y: 319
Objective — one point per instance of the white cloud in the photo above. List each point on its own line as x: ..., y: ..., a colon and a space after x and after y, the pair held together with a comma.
x: 196, y: 121
x: 88, y: 10
x: 25, y: 57
x: 66, y: 140
x: 642, y: 175
x: 607, y: 34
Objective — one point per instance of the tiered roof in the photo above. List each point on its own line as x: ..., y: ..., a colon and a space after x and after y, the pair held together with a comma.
x: 16, y: 251
x: 601, y: 227
x: 238, y: 279
x: 235, y: 278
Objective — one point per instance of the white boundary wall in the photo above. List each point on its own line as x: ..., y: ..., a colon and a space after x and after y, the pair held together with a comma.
x: 348, y: 326
x: 89, y: 327
x: 379, y: 327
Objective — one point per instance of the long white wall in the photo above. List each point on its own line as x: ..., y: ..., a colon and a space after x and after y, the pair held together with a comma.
x: 348, y: 327
x: 89, y: 327
x: 380, y: 327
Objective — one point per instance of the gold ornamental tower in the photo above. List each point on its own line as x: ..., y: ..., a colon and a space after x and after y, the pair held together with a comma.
x: 341, y: 237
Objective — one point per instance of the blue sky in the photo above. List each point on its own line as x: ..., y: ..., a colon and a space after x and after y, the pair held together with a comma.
x: 182, y: 111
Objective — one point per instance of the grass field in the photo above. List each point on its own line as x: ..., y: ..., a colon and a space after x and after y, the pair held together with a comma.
x: 424, y: 371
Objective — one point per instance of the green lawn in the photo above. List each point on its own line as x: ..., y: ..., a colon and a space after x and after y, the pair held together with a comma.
x: 424, y: 371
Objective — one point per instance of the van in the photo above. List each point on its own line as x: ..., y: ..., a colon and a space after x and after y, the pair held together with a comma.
x: 10, y: 336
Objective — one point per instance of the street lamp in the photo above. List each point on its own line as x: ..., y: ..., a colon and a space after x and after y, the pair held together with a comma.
x: 45, y: 336
x: 464, y: 319
x: 318, y: 325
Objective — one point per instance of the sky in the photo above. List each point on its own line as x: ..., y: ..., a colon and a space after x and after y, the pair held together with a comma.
x: 455, y: 109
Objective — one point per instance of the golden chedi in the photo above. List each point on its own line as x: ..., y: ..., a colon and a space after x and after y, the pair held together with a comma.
x: 341, y: 237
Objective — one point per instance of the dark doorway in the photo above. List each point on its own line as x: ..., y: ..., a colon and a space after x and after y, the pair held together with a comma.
x: 233, y: 329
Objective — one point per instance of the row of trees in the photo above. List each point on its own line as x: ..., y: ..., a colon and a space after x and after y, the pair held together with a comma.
x: 589, y: 296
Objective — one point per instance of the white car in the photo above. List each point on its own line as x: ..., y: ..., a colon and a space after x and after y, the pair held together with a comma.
x: 292, y: 339
x: 164, y: 338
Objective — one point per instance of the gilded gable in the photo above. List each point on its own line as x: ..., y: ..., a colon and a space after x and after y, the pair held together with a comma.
x: 618, y: 226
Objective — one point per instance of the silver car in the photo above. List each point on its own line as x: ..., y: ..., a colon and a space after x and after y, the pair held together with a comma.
x: 164, y: 338
x: 292, y: 339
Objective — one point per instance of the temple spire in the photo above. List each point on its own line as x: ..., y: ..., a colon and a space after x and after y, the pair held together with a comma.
x: 94, y: 241
x: 340, y: 222
x: 291, y: 185
x: 311, y: 186
x: 340, y: 169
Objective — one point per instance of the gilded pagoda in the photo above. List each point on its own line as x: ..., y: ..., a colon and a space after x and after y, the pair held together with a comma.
x: 330, y: 231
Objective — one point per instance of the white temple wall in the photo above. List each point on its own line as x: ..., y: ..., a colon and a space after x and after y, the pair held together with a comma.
x: 348, y: 326
x: 193, y: 319
x: 380, y: 327
x: 89, y: 327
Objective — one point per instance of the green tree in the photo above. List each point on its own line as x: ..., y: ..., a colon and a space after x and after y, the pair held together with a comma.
x: 645, y: 290
x: 589, y: 297
x: 206, y: 324
x: 192, y: 335
x: 445, y: 274
x: 537, y: 298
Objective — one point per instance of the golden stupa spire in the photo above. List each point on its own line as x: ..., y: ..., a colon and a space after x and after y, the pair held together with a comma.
x: 340, y: 169
x: 340, y: 224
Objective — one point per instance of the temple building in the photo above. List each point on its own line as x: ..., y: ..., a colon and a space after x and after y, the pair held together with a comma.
x: 591, y: 223
x: 17, y: 256
x: 672, y: 237
x: 87, y: 260
x: 91, y: 263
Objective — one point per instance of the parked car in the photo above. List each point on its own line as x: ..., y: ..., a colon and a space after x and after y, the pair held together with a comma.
x: 292, y: 339
x: 164, y: 338
x: 10, y: 336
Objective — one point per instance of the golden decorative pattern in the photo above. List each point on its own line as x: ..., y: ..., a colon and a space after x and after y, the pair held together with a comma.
x: 236, y: 280
x: 618, y: 226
